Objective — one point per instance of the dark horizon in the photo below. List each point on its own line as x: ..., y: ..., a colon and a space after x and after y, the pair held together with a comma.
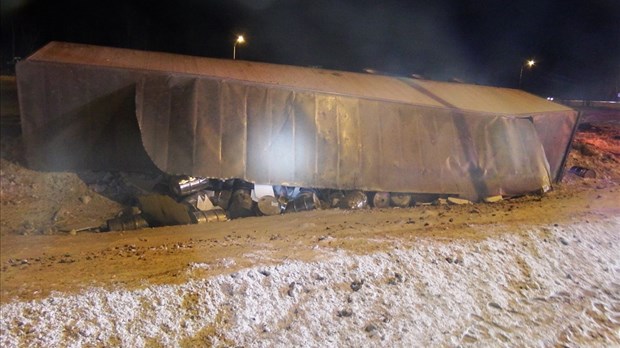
x: 575, y: 43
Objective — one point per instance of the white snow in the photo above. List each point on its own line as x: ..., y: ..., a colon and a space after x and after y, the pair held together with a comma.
x: 539, y: 286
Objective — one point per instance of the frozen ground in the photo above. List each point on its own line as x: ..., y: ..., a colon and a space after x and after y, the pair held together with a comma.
x: 533, y: 286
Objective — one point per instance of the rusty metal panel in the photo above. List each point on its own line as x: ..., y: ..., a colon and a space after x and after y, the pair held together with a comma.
x: 260, y: 119
x: 555, y: 132
x: 391, y: 161
x: 208, y: 136
x: 180, y: 106
x: 153, y: 94
x: 327, y: 157
x: 234, y: 129
x: 513, y: 142
x: 304, y: 138
x: 371, y: 116
x: 90, y: 107
x: 282, y: 127
x: 348, y: 142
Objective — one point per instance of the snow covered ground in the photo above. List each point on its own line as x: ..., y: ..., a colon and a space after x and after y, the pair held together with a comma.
x: 540, y: 286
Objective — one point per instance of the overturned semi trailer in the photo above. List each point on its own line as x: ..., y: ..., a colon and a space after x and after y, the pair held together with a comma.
x: 101, y: 108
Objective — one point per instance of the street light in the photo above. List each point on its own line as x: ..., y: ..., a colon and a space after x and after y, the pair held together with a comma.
x: 240, y: 40
x: 529, y: 63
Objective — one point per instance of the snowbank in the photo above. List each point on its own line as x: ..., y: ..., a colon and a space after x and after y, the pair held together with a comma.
x: 539, y: 286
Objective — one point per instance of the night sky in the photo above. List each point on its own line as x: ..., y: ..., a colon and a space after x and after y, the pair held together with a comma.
x: 576, y: 43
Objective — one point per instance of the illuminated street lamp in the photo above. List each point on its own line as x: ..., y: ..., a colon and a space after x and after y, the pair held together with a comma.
x: 240, y: 40
x: 529, y: 63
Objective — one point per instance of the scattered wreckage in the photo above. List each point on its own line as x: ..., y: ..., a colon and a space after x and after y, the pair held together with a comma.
x: 368, y: 139
x: 202, y: 200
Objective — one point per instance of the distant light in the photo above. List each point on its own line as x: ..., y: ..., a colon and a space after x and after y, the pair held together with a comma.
x: 549, y: 98
x: 240, y: 40
x: 529, y: 63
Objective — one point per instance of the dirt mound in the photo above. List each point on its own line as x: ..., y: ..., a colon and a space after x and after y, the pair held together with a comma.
x: 596, y: 147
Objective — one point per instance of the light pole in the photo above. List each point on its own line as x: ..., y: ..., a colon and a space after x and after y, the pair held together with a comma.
x: 240, y: 40
x: 529, y: 63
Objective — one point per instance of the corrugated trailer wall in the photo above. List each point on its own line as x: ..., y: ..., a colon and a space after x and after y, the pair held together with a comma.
x: 278, y: 136
x: 102, y: 115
